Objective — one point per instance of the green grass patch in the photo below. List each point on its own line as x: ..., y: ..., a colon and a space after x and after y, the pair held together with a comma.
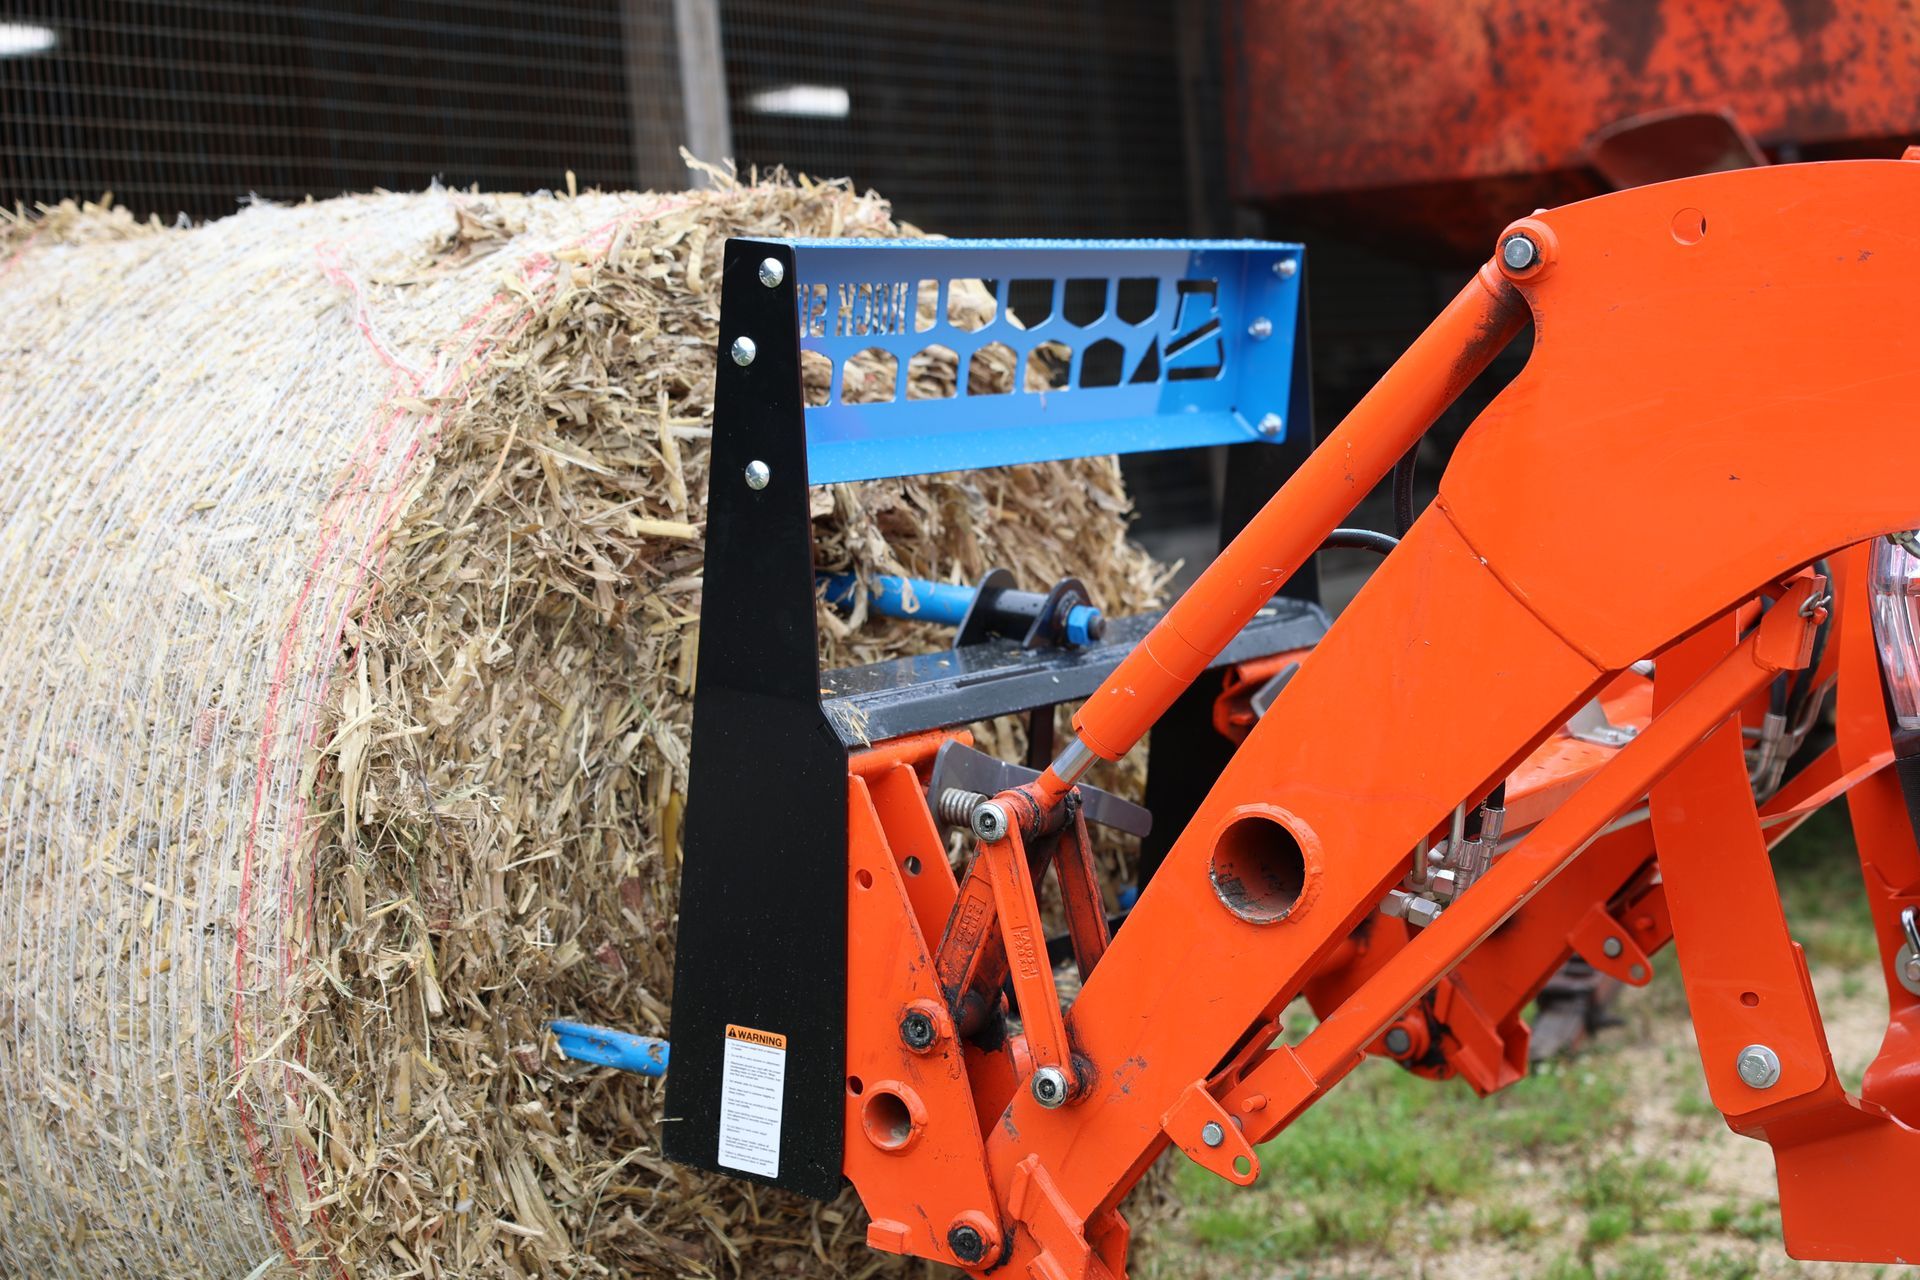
x: 1348, y: 1172
x: 1692, y: 1102
x: 1677, y: 1221
x: 1568, y: 1267
x: 1755, y: 1220
x: 1820, y: 887
x: 1373, y: 1162
x: 1608, y: 1225
x: 1721, y: 1265
x: 1504, y: 1222
x: 1634, y: 1190
x: 1638, y: 1263
x: 1560, y: 1105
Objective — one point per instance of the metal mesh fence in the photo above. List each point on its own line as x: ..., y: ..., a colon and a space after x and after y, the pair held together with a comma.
x: 188, y: 105
x: 990, y: 118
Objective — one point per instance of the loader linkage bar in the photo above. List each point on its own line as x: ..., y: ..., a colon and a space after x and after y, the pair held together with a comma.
x: 1623, y: 699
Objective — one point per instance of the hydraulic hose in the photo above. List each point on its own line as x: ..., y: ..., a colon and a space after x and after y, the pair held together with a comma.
x: 1360, y: 540
x: 1403, y: 490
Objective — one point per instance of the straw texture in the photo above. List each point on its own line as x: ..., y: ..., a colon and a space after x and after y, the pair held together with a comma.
x: 349, y: 600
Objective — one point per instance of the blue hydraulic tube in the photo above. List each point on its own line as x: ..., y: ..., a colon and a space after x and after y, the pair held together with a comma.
x: 605, y: 1047
x: 918, y: 599
x: 922, y: 600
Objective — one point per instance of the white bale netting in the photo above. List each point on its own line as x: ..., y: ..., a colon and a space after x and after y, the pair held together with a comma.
x: 349, y: 582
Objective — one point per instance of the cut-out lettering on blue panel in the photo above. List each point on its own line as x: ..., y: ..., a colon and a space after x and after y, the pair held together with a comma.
x: 1114, y: 346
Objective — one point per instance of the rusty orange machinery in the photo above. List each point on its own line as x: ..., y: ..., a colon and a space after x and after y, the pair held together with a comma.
x: 1437, y: 119
x: 1673, y: 513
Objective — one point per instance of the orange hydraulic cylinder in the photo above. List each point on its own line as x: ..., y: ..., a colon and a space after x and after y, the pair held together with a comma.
x: 1480, y: 321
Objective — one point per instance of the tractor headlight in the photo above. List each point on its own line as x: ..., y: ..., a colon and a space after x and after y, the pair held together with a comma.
x: 1895, y: 581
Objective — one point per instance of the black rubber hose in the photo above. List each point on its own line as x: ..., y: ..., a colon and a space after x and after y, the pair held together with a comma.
x: 1403, y: 490
x: 1360, y: 540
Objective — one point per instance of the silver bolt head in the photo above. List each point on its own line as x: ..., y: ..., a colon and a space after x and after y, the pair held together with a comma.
x: 1212, y: 1134
x: 1261, y: 329
x: 1913, y: 968
x: 744, y: 351
x: 989, y: 822
x: 1519, y: 253
x: 1759, y: 1066
x: 758, y: 473
x: 772, y: 272
x: 1285, y: 268
x: 1271, y: 424
x: 1049, y: 1087
x: 1612, y: 948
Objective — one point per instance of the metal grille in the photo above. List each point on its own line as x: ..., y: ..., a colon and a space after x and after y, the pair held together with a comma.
x: 188, y: 105
x: 991, y: 118
x: 987, y: 119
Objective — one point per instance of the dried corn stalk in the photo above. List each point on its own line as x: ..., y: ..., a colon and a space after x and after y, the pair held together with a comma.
x: 349, y: 598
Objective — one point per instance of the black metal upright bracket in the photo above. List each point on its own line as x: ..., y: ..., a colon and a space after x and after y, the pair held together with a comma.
x: 763, y: 908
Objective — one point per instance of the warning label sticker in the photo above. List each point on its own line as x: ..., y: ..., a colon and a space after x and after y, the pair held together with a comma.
x: 753, y: 1078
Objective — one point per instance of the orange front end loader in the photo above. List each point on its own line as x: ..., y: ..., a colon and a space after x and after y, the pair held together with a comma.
x: 1556, y: 721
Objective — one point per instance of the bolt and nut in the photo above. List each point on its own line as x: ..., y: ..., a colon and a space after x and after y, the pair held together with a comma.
x: 1759, y: 1066
x: 917, y: 1031
x: 1212, y: 1134
x: 772, y: 272
x: 1399, y: 1041
x: 1049, y: 1087
x: 1285, y: 268
x: 1261, y: 329
x: 1271, y: 424
x: 1612, y: 948
x: 1519, y: 253
x: 967, y: 1243
x: 744, y: 350
x: 989, y: 822
x: 758, y: 473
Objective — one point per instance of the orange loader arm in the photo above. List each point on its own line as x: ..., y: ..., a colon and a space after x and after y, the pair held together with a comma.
x: 1724, y: 391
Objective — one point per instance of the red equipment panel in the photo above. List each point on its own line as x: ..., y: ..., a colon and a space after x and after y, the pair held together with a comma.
x: 1487, y: 107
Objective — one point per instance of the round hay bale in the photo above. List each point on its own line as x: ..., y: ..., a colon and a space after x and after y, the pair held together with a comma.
x: 349, y: 597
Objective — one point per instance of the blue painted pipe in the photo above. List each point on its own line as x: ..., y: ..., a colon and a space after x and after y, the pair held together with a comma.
x: 604, y: 1047
x: 941, y: 602
x: 923, y: 600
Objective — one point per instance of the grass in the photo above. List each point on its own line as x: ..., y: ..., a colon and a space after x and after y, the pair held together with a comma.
x: 1381, y: 1157
x: 1751, y: 1220
x: 1821, y: 890
x: 1355, y: 1167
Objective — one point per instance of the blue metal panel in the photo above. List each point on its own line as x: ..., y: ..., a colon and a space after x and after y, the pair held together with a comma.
x: 1197, y: 337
